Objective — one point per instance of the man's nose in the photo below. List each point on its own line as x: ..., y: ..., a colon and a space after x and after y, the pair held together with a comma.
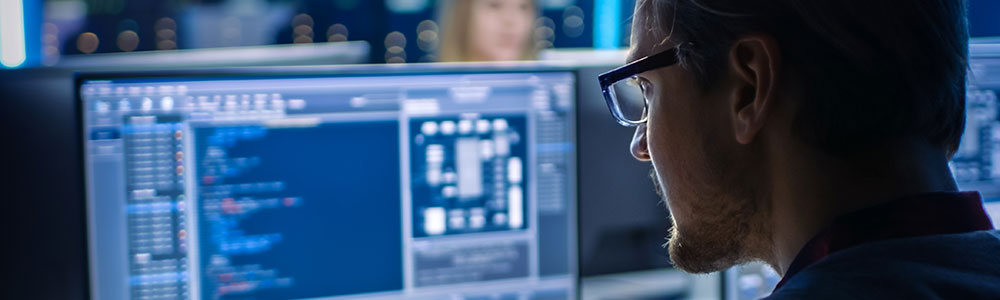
x: 640, y: 150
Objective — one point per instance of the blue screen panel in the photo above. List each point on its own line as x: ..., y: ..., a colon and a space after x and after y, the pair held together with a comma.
x: 314, y: 204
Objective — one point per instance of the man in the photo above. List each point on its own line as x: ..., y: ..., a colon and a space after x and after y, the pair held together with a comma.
x: 813, y: 136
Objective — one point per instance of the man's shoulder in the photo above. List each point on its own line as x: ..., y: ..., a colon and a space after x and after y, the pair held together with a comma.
x: 951, y: 266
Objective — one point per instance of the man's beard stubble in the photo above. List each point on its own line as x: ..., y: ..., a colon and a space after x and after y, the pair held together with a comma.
x: 724, y: 229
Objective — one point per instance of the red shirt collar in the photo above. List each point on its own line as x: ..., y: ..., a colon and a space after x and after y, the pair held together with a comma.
x: 919, y: 215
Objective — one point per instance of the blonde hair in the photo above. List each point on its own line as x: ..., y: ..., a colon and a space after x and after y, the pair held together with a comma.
x: 455, y: 17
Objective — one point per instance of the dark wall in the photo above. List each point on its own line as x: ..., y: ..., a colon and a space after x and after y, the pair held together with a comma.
x: 622, y: 222
x: 44, y: 228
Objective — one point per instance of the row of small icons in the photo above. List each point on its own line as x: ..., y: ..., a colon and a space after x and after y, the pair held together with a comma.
x: 463, y: 127
x: 163, y: 90
x: 257, y: 102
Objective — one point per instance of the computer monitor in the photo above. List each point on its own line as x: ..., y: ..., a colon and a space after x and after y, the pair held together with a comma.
x: 976, y: 165
x: 42, y: 100
x: 379, y: 182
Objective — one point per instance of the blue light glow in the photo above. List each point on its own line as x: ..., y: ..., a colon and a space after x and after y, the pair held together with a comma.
x: 12, y: 46
x: 606, y: 23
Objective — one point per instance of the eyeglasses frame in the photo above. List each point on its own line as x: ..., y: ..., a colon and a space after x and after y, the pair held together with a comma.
x: 607, y: 79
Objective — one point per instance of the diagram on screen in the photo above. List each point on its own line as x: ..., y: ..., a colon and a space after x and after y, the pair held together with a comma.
x: 468, y: 175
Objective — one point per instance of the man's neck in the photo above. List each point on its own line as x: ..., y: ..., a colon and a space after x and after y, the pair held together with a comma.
x: 811, y: 190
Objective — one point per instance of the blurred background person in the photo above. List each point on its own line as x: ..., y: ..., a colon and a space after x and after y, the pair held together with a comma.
x: 487, y: 30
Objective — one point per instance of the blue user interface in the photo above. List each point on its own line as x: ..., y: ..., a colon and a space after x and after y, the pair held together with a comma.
x: 418, y: 186
x: 976, y: 165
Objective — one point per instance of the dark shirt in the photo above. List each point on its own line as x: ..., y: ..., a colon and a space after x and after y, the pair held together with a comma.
x: 908, y: 241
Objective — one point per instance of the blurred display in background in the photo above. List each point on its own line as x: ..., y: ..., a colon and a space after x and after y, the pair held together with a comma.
x: 398, y: 30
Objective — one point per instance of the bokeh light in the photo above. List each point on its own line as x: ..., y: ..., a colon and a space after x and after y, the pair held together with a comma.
x: 303, y: 34
x: 428, y: 36
x: 302, y: 29
x: 166, y: 34
x: 166, y: 45
x: 165, y: 23
x: 395, y: 47
x: 573, y: 21
x: 50, y: 44
x: 127, y: 41
x: 302, y: 19
x: 337, y: 33
x: 544, y: 34
x: 87, y: 42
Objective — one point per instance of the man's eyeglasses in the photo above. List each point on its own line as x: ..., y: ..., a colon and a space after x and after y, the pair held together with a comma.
x: 623, y: 91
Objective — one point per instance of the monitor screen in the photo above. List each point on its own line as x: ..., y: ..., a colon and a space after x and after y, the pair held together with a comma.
x: 420, y: 185
x: 976, y: 166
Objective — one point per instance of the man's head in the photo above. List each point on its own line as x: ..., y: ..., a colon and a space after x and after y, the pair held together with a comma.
x: 838, y: 77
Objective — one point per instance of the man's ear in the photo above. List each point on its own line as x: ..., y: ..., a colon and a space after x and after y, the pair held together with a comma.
x: 755, y: 61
